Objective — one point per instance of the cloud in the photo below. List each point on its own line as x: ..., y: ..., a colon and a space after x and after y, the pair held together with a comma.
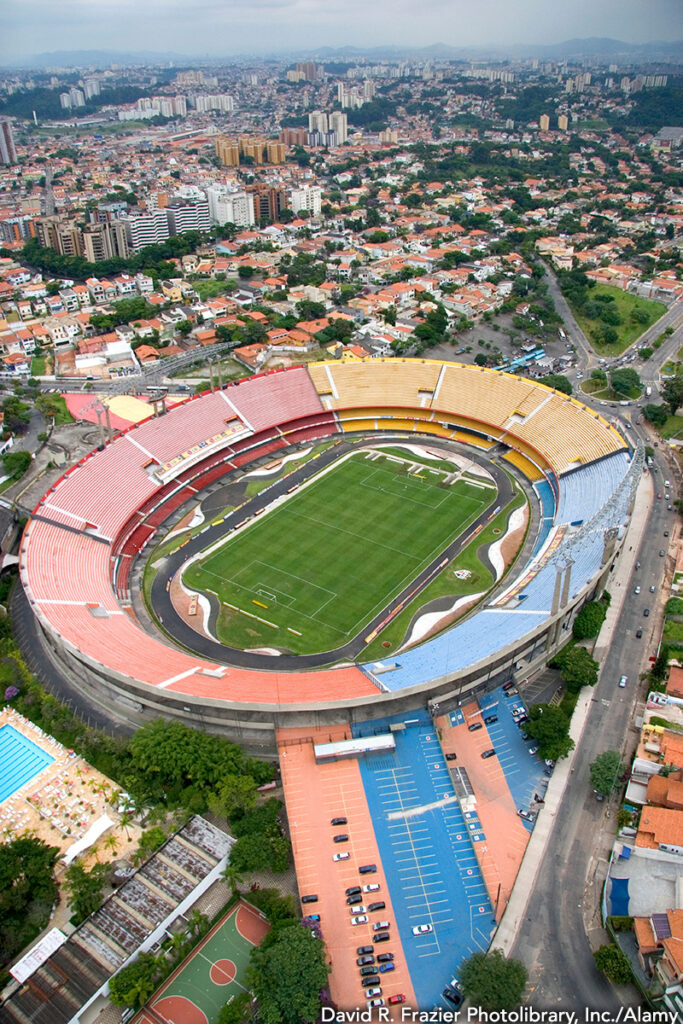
x: 225, y: 26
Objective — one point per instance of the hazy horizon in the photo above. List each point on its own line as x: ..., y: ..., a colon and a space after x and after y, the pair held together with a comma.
x: 224, y: 27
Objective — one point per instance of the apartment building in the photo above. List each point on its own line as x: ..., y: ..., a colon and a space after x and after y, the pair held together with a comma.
x: 230, y: 206
x: 308, y: 198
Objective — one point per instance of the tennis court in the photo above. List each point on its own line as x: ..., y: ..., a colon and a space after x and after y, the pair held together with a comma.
x: 307, y: 575
x: 212, y: 974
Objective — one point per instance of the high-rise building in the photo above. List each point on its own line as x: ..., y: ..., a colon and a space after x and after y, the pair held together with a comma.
x: 8, y: 151
x: 339, y: 124
x: 228, y: 206
x: 544, y: 123
x: 105, y: 241
x: 228, y: 151
x: 146, y: 228
x: 293, y: 136
x: 309, y: 69
x: 563, y: 122
x: 317, y: 121
x: 91, y: 87
x: 308, y: 198
x: 295, y: 76
x: 188, y: 215
x: 60, y: 233
x: 77, y: 97
x: 268, y: 201
x: 276, y: 152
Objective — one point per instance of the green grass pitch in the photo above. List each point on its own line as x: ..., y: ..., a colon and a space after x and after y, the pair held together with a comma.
x: 312, y: 572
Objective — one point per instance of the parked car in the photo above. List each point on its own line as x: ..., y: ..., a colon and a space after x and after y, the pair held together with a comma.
x: 451, y: 757
x: 384, y: 958
x: 364, y: 950
x: 475, y: 726
x: 341, y: 856
x: 488, y: 753
x: 398, y: 998
x: 527, y: 815
x: 639, y: 633
x: 646, y: 612
x: 372, y: 1003
x: 374, y: 991
x: 636, y: 590
x: 358, y: 908
x: 453, y: 994
x: 361, y: 919
x: 623, y: 681
x: 387, y: 967
x: 490, y: 719
x: 342, y: 838
x: 363, y: 961
x: 422, y: 929
x: 352, y: 889
x: 338, y: 821
x: 371, y: 887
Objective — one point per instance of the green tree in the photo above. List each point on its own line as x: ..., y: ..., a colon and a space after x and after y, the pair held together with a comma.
x: 308, y: 310
x: 150, y: 840
x: 15, y: 464
x: 589, y: 620
x: 613, y: 963
x: 287, y: 976
x: 184, y: 328
x: 492, y: 982
x: 557, y: 381
x: 672, y: 392
x: 134, y: 984
x: 578, y: 668
x: 268, y: 851
x: 606, y: 771
x: 27, y: 892
x: 624, y: 381
x: 236, y: 794
x: 85, y: 890
x: 17, y: 414
x: 237, y: 1011
x: 657, y: 415
x: 245, y: 271
x: 549, y: 726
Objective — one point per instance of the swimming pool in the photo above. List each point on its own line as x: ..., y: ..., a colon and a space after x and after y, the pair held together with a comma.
x: 20, y: 760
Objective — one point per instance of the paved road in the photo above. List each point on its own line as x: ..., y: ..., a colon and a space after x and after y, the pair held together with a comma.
x: 553, y: 942
x: 188, y: 637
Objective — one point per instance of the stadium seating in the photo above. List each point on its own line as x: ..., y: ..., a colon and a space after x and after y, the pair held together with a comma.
x: 113, y: 496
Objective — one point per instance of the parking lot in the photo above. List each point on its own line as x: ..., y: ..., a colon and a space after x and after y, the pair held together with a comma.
x: 427, y: 853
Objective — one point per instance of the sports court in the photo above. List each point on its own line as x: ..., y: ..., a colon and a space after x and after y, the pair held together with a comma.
x: 308, y: 574
x: 427, y: 853
x: 212, y: 974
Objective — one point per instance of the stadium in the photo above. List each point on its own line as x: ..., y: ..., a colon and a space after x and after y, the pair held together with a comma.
x: 90, y: 533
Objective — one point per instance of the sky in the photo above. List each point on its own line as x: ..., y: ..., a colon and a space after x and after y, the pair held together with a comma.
x: 223, y: 27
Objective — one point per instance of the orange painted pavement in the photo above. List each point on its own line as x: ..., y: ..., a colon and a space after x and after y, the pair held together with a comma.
x: 314, y: 795
x: 255, y: 687
x: 506, y: 837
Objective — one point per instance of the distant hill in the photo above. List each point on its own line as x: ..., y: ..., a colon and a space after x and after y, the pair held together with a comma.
x: 571, y: 48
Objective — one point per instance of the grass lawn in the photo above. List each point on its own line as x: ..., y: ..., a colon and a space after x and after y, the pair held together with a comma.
x: 598, y: 389
x: 672, y: 428
x: 627, y: 331
x: 38, y: 366
x: 446, y: 584
x: 308, y: 575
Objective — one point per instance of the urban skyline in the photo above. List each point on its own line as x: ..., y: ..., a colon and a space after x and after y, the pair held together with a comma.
x: 278, y: 25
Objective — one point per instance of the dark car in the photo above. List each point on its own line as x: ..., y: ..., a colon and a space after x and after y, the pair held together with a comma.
x: 646, y: 612
x: 352, y: 890
x: 367, y: 869
x: 384, y: 958
x: 380, y: 905
x: 451, y: 757
x: 368, y: 970
x: 352, y: 900
x: 364, y: 950
x: 381, y: 937
x: 490, y: 719
x: 338, y: 821
x: 488, y: 753
x: 343, y: 838
x: 362, y: 961
x: 662, y: 553
x: 639, y: 633
x: 311, y: 898
x: 475, y: 726
x: 453, y: 995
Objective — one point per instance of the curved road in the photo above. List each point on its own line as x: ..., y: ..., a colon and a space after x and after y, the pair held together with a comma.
x: 186, y: 635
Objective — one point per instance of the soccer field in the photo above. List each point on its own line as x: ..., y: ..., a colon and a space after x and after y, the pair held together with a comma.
x: 310, y: 574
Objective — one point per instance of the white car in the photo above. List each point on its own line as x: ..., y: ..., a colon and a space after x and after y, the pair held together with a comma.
x: 357, y: 909
x: 361, y: 919
x: 372, y: 992
x: 341, y: 856
x: 422, y: 929
x: 372, y: 887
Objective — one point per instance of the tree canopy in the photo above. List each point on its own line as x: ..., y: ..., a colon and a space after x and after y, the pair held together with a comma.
x: 492, y: 982
x: 577, y: 666
x: 549, y: 726
x: 672, y: 393
x: 287, y: 975
x: 606, y: 771
x: 589, y: 620
x: 613, y: 963
x: 27, y: 892
x: 557, y: 381
x: 134, y: 984
x: 85, y: 890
